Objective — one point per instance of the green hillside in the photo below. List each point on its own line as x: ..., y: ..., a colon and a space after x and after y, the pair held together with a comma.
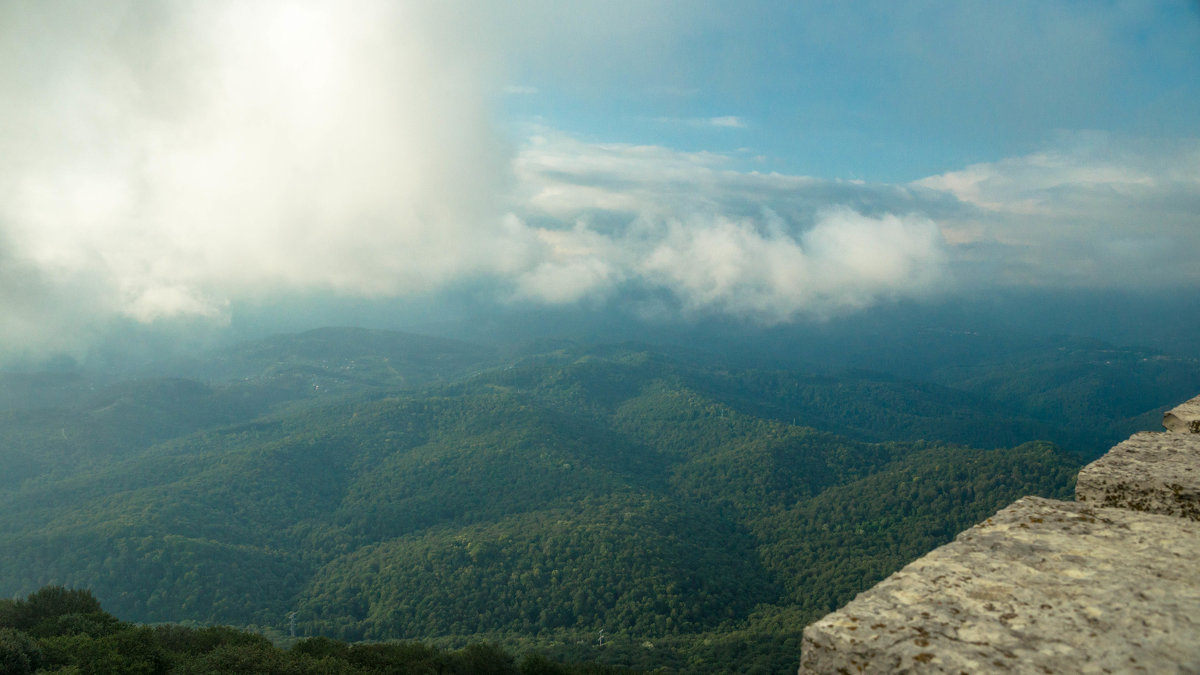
x: 698, y: 516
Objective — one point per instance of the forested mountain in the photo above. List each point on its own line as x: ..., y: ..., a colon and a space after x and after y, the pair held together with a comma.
x: 387, y: 486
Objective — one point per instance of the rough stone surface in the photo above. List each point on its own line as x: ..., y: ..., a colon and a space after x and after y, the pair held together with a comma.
x: 1184, y: 417
x: 1041, y: 587
x: 1153, y: 472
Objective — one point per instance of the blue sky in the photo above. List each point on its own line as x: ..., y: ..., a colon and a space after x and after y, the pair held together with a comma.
x: 881, y: 91
x: 169, y: 162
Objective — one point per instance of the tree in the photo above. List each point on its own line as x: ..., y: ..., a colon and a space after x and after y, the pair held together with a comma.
x: 19, y: 653
x: 48, y: 602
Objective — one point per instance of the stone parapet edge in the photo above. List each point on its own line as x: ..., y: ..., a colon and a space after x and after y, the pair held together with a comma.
x: 1164, y: 484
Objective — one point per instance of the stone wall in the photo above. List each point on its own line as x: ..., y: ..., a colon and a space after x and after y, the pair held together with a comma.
x: 1109, y: 583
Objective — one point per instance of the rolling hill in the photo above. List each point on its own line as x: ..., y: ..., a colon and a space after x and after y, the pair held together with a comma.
x: 387, y: 486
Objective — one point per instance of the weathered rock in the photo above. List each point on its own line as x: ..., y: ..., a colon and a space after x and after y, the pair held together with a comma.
x: 1184, y: 417
x: 1153, y: 472
x: 1041, y: 587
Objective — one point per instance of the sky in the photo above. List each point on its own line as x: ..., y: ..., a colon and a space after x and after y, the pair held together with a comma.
x: 177, y: 163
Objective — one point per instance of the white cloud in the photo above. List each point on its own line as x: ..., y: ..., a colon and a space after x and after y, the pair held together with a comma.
x: 845, y: 261
x: 1092, y: 211
x: 729, y: 121
x: 722, y: 122
x: 574, y: 264
x: 183, y: 154
x: 764, y: 247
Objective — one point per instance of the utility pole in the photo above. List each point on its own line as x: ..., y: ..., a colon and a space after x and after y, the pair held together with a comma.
x: 601, y: 637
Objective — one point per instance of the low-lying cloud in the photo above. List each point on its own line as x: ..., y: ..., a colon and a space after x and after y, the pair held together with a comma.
x: 166, y: 161
x: 768, y: 248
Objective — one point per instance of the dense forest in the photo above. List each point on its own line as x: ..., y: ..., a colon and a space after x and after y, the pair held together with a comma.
x: 61, y: 630
x: 629, y: 505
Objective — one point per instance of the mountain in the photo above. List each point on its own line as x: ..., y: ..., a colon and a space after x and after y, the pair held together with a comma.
x: 338, y: 360
x: 388, y: 486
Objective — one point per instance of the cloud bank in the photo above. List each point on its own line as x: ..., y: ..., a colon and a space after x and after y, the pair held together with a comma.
x: 768, y: 248
x: 166, y: 161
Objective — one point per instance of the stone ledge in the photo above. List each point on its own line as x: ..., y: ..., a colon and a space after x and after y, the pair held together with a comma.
x: 1041, y: 587
x: 1184, y: 417
x: 1152, y: 472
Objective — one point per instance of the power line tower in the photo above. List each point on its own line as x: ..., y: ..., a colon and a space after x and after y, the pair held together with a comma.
x: 292, y: 623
